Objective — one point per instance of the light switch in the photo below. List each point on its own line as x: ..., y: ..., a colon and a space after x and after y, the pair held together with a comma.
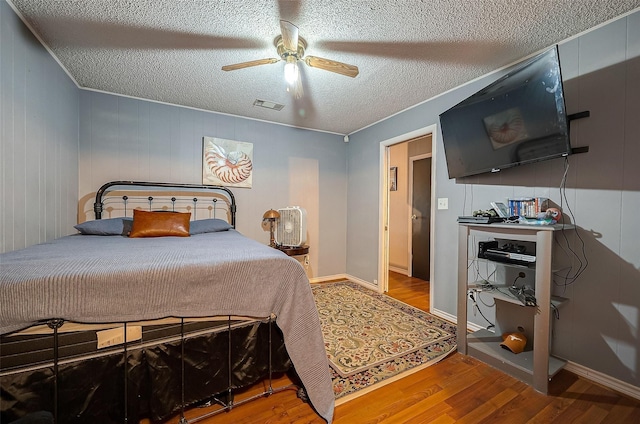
x: 443, y: 203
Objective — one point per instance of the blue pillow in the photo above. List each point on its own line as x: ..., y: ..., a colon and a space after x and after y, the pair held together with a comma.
x: 211, y: 225
x: 103, y: 227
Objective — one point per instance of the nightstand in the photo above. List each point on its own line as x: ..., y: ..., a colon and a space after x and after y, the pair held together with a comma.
x: 300, y: 253
x: 294, y: 251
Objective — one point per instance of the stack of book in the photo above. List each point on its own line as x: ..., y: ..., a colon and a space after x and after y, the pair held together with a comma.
x: 528, y: 207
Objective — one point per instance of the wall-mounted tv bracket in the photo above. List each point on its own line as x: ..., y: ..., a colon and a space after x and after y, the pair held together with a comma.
x: 574, y: 116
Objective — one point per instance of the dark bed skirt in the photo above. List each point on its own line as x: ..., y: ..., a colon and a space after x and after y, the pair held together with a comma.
x: 93, y: 389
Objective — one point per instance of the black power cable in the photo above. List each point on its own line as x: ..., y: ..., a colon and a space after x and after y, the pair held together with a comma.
x: 475, y: 304
x: 583, y: 261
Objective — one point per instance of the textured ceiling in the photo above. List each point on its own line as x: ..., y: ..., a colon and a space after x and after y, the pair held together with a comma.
x: 407, y: 51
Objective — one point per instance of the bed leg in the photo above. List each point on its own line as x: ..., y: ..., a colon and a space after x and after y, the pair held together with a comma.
x: 126, y: 375
x: 230, y: 370
x: 183, y: 420
x: 55, y: 324
x: 270, y: 391
x: 302, y: 395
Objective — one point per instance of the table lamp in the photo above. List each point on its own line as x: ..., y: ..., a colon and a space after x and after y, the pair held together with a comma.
x: 271, y: 216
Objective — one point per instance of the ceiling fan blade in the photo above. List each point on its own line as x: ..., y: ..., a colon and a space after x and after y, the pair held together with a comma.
x: 249, y: 64
x: 289, y: 35
x: 332, y: 66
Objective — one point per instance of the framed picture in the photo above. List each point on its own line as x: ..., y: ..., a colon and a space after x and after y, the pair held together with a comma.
x: 393, y: 178
x: 227, y: 162
x: 501, y: 209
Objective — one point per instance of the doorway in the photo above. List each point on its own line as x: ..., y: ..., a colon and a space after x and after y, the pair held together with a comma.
x: 386, y: 203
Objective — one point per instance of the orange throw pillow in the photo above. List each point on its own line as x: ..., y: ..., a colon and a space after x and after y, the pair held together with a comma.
x: 159, y: 224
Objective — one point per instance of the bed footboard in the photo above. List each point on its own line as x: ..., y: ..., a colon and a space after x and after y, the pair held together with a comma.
x: 173, y: 367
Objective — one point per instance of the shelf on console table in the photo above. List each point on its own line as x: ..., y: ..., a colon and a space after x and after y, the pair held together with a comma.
x: 485, y: 345
x: 501, y: 292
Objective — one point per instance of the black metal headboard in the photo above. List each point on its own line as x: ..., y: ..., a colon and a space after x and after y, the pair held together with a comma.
x: 98, y: 205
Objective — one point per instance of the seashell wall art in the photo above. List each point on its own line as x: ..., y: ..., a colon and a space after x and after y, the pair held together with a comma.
x: 227, y: 162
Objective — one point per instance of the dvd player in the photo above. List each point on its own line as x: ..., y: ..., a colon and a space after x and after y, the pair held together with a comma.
x: 509, y: 257
x: 479, y: 219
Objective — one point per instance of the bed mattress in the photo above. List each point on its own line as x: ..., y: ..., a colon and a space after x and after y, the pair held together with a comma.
x: 98, y: 279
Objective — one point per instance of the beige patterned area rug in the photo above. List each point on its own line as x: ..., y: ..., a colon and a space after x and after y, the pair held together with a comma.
x: 373, y: 339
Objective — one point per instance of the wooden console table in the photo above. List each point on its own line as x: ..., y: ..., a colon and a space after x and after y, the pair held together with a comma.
x: 534, y: 367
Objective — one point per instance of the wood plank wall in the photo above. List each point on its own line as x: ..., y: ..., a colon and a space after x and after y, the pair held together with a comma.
x: 39, y: 140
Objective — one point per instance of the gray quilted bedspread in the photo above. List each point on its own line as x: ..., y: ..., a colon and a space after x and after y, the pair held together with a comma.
x: 93, y: 279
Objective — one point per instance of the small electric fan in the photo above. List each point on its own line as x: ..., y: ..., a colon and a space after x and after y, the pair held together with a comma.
x: 292, y: 227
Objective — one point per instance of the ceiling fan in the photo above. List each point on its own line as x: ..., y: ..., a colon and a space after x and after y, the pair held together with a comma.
x: 291, y: 48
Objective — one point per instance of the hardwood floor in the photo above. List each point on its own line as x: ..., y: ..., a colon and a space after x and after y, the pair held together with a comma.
x: 409, y: 290
x: 459, y: 389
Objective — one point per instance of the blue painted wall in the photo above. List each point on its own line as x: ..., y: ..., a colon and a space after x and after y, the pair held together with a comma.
x: 599, y: 328
x: 38, y: 140
x: 129, y: 139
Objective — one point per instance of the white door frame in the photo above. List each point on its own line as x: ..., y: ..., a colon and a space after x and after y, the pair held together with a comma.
x: 383, y: 227
x: 410, y: 220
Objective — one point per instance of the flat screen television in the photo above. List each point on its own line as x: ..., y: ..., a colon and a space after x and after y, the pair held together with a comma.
x: 518, y: 119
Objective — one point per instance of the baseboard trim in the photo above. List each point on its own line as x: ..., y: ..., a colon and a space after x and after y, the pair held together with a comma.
x: 444, y: 315
x: 454, y: 319
x: 399, y: 270
x: 351, y: 278
x: 329, y: 278
x: 604, y: 380
x: 363, y: 283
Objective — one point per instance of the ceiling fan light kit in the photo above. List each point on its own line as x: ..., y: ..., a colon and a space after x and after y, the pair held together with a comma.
x: 291, y: 48
x: 291, y: 70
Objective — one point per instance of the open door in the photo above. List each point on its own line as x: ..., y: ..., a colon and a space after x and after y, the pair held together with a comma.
x: 420, y: 235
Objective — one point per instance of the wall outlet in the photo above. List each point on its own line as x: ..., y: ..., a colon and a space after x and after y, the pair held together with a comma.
x: 443, y: 203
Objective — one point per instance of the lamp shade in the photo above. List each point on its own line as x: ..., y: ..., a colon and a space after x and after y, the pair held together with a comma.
x: 271, y: 214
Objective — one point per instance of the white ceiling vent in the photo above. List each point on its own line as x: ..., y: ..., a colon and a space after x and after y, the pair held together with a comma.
x: 268, y: 105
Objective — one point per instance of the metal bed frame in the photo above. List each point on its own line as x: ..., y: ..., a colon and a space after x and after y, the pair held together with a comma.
x: 226, y: 404
x: 229, y: 403
x: 100, y: 195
